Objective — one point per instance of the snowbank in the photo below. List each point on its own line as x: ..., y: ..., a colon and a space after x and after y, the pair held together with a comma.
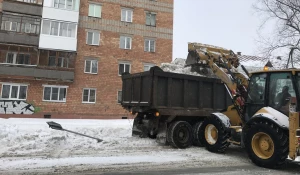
x: 30, y: 146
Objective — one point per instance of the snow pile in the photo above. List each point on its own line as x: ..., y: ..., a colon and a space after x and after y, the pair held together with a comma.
x: 29, y: 145
x: 178, y: 66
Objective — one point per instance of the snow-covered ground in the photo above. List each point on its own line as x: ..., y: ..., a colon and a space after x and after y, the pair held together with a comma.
x: 30, y: 146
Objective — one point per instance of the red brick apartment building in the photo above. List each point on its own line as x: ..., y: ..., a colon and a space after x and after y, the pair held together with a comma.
x: 64, y: 57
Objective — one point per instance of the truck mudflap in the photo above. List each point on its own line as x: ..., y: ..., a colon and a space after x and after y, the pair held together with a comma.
x: 138, y: 128
x: 145, y: 125
x: 162, y: 133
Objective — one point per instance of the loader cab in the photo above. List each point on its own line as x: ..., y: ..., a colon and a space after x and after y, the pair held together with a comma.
x: 272, y: 88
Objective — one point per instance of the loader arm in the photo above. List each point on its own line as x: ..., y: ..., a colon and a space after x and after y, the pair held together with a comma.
x: 221, y: 61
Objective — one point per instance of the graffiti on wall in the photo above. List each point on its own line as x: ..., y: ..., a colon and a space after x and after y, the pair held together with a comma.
x: 15, y: 107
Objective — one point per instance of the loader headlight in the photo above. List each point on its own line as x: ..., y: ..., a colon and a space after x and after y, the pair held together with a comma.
x: 157, y: 114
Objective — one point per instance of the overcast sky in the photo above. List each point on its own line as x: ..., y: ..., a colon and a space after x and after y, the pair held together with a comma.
x: 231, y: 24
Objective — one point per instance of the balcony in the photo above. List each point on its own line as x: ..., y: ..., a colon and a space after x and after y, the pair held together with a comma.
x: 31, y: 63
x: 18, y: 38
x: 29, y: 7
x: 19, y: 29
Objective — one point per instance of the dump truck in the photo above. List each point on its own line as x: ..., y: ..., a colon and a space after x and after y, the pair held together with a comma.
x: 262, y: 115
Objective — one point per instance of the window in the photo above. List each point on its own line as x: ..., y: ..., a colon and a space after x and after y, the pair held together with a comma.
x: 124, y: 67
x: 14, y: 92
x: 23, y: 58
x: 14, y: 58
x: 148, y: 66
x: 95, y: 10
x: 280, y: 91
x: 126, y: 15
x: 64, y: 4
x: 150, y: 19
x: 55, y: 93
x: 93, y: 38
x: 119, y: 97
x: 149, y: 45
x: 125, y: 42
x: 10, y: 26
x: 91, y: 66
x: 89, y: 96
x: 19, y: 23
x: 59, y: 28
x: 51, y: 61
x: 63, y: 62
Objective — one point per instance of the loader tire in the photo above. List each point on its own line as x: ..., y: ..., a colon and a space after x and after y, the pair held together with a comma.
x: 196, y: 139
x: 180, y: 134
x: 267, y: 145
x: 213, y: 135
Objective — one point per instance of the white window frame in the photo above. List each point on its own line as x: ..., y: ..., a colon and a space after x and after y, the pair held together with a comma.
x: 118, y: 96
x: 125, y: 63
x: 13, y: 84
x: 65, y: 8
x: 58, y: 32
x: 15, y: 58
x: 126, y: 37
x: 10, y: 25
x: 148, y: 65
x: 95, y: 4
x: 149, y: 44
x: 126, y: 14
x: 55, y: 86
x: 91, y: 64
x: 62, y: 62
x: 89, y: 89
x: 97, y: 44
x: 151, y: 13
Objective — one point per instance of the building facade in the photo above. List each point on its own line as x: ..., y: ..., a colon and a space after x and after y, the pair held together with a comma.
x: 65, y: 58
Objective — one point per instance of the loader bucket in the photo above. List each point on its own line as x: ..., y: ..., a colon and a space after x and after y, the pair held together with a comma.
x: 192, y: 59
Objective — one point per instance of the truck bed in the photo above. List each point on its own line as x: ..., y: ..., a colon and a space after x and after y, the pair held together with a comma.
x: 173, y: 94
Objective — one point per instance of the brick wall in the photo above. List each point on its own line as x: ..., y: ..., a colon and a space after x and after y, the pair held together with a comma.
x: 107, y: 81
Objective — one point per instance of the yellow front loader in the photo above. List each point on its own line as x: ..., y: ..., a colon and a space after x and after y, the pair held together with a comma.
x: 264, y: 117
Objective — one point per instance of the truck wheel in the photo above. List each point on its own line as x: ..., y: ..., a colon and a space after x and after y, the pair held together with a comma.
x: 180, y: 134
x: 196, y: 129
x: 267, y: 145
x: 214, y: 135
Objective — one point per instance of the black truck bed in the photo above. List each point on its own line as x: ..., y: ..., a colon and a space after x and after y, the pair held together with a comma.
x: 173, y: 94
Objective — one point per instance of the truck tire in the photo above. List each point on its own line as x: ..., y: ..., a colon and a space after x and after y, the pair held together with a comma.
x: 213, y: 135
x: 196, y: 129
x: 180, y: 134
x: 267, y: 145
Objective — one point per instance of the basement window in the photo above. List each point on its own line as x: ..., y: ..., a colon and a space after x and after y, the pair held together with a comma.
x: 55, y: 93
x: 89, y: 95
x: 14, y: 92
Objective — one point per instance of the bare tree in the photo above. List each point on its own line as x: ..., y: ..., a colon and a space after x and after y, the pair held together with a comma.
x: 285, y: 15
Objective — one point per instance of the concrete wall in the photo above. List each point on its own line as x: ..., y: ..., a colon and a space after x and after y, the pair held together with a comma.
x: 22, y: 8
x: 37, y: 73
x: 15, y: 38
